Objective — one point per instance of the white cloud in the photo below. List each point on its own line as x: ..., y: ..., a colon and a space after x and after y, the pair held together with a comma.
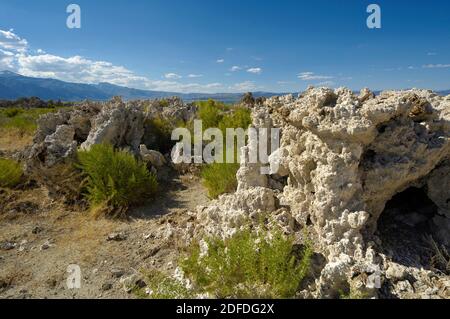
x: 235, y: 68
x: 172, y: 76
x: 12, y: 42
x: 220, y: 60
x: 192, y: 76
x: 40, y: 51
x: 244, y: 86
x: 255, y: 70
x: 7, y: 60
x: 16, y: 56
x: 310, y: 76
x: 431, y: 53
x: 230, y: 49
x: 436, y: 66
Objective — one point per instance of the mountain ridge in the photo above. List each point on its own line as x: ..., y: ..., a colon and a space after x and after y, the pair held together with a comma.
x: 14, y: 86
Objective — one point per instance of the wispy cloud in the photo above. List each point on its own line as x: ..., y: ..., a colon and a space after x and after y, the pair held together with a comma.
x: 11, y: 41
x: 254, y: 70
x: 235, y: 68
x: 431, y: 53
x: 220, y: 60
x: 172, y: 76
x: 436, y: 66
x: 311, y: 76
x: 193, y: 76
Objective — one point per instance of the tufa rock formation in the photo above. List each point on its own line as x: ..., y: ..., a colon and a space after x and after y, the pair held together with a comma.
x: 342, y: 158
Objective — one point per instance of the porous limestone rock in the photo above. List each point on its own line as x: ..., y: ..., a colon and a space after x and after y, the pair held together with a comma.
x: 345, y: 156
x: 155, y: 158
x: 118, y: 123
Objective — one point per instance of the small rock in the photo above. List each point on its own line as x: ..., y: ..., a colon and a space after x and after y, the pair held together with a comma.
x: 107, y: 286
x: 131, y: 282
x: 395, y: 272
x: 140, y: 283
x: 46, y: 245
x: 8, y: 245
x: 116, y: 237
x: 117, y: 273
x: 37, y: 230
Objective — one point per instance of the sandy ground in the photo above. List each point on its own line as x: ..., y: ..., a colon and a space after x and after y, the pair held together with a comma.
x: 40, y: 238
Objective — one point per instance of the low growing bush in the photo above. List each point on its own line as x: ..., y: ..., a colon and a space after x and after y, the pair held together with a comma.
x: 220, y: 178
x: 115, y: 177
x: 210, y: 114
x: 248, y: 265
x: 10, y: 173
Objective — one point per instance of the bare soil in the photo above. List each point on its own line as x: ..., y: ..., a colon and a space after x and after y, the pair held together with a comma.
x: 40, y: 238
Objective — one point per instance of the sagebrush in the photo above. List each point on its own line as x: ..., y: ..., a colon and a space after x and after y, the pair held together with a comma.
x: 10, y: 173
x: 220, y: 178
x: 115, y: 177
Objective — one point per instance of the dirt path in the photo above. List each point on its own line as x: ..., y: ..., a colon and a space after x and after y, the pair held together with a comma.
x: 39, y: 239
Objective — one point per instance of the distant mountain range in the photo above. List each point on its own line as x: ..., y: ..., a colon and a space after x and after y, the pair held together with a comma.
x: 14, y: 86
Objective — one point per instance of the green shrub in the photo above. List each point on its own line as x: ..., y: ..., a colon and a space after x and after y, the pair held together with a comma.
x: 210, y: 114
x: 12, y: 112
x: 10, y: 173
x: 22, y: 120
x: 239, y: 118
x: 248, y: 265
x: 220, y: 178
x: 115, y: 177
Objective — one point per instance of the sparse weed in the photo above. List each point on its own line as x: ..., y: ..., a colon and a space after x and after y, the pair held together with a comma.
x: 161, y: 286
x: 440, y: 256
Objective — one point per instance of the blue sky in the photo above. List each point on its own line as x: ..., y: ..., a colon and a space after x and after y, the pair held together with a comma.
x: 230, y: 45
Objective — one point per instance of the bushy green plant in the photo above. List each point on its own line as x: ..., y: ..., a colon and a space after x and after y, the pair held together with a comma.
x: 22, y: 120
x: 115, y: 177
x: 210, y: 114
x: 248, y: 265
x: 239, y: 118
x: 12, y: 112
x: 220, y: 178
x: 10, y: 173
